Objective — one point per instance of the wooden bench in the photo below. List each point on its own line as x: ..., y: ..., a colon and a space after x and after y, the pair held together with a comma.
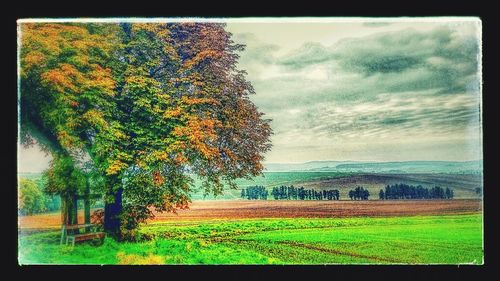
x: 80, y: 232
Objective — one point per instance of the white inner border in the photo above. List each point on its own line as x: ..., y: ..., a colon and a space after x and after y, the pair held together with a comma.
x: 261, y: 19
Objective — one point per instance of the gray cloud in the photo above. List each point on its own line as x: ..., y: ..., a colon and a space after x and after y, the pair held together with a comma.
x: 401, y: 88
x: 447, y: 57
x: 307, y: 54
x: 389, y: 116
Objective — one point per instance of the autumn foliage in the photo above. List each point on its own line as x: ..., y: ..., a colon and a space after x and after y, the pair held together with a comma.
x: 151, y: 104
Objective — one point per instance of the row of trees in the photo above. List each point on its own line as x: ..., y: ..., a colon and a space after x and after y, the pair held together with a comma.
x: 396, y: 191
x: 293, y: 193
x: 254, y: 193
x: 359, y: 193
x: 289, y: 193
x: 404, y: 191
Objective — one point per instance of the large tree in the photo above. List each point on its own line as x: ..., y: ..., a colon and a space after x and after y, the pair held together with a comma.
x: 185, y: 111
x: 170, y: 104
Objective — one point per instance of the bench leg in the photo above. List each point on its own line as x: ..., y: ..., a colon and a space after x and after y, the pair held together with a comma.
x: 63, y: 234
x: 70, y: 240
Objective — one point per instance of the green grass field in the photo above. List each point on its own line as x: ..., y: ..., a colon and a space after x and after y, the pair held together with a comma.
x: 452, y: 239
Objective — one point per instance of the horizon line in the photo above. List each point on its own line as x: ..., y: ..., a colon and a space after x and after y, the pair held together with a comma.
x: 358, y: 161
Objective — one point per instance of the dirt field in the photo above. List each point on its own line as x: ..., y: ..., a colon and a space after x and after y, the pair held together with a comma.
x: 238, y: 209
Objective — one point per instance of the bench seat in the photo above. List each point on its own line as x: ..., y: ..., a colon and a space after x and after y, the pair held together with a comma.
x: 84, y: 237
x: 89, y: 236
x: 70, y: 233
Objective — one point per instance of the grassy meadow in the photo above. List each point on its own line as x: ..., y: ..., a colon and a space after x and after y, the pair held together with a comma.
x: 439, y: 239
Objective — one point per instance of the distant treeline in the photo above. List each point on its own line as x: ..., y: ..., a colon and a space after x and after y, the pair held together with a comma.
x: 289, y: 193
x: 293, y: 193
x: 254, y: 193
x: 396, y: 191
x: 404, y: 191
x: 33, y: 199
x: 359, y: 193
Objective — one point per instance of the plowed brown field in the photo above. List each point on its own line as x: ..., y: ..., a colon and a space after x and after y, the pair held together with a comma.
x: 241, y: 209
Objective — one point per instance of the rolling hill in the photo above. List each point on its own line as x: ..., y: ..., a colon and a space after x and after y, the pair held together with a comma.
x: 449, y: 167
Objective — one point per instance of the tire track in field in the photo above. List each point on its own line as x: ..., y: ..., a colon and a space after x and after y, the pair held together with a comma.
x: 337, y: 252
x: 316, y: 248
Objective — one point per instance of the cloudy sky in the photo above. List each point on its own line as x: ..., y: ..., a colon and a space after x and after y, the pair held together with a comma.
x: 368, y: 90
x: 381, y: 91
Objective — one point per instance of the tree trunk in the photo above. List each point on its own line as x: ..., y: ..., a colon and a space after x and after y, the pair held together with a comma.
x: 63, y: 210
x: 111, y: 212
x: 86, y: 202
x: 74, y: 209
x: 69, y: 209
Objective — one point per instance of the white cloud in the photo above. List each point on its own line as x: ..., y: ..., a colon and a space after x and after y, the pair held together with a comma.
x: 316, y: 73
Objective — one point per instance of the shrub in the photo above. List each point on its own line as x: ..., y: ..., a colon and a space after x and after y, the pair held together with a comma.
x: 31, y: 198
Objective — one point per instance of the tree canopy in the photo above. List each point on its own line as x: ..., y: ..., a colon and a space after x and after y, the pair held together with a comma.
x: 150, y: 104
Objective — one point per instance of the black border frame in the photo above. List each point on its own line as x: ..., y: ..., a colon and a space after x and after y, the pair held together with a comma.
x: 253, y: 9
